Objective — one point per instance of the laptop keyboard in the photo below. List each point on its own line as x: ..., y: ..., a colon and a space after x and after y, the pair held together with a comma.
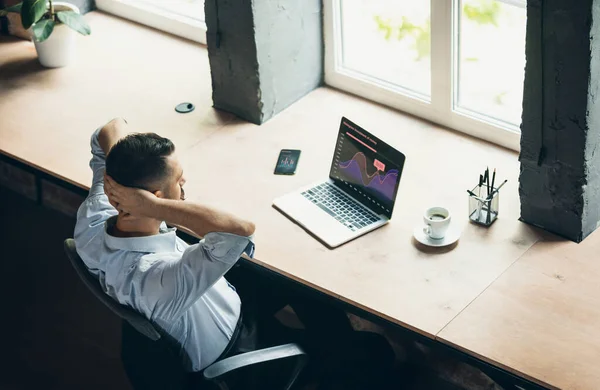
x: 340, y: 206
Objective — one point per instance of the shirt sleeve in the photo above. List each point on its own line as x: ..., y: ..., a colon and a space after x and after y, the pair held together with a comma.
x: 98, y: 165
x: 96, y: 208
x: 173, y: 286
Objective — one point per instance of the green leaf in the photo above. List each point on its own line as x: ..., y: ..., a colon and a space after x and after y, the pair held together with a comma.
x: 43, y: 29
x: 32, y: 11
x: 384, y: 26
x: 485, y: 12
x: 75, y: 21
x: 13, y: 8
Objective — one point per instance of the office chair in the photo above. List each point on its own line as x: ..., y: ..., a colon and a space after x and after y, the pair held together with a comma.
x: 149, y: 357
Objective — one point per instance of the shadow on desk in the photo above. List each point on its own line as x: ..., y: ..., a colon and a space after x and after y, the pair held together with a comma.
x: 430, y: 250
x: 22, y: 67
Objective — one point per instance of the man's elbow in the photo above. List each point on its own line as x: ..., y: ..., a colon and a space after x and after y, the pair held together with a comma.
x: 110, y: 133
x: 247, y: 229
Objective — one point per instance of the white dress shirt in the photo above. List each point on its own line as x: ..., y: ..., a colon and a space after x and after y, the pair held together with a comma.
x: 179, y: 287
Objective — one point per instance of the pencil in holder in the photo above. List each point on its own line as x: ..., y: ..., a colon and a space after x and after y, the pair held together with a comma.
x: 483, y: 209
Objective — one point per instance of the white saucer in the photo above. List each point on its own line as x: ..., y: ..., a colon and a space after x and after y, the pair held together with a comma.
x: 452, y: 235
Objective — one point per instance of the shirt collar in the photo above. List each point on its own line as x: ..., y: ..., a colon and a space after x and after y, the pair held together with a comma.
x: 165, y: 241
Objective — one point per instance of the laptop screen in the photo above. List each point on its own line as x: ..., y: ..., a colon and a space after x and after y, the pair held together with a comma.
x: 367, y: 168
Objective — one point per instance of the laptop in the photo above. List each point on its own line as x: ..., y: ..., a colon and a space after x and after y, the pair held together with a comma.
x: 359, y: 195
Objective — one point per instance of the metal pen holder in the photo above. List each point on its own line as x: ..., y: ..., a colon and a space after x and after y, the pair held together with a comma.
x: 483, y: 210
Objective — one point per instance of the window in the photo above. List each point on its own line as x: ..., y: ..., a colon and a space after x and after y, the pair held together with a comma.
x: 184, y: 18
x: 459, y: 63
x: 193, y: 9
x: 491, y: 59
x: 389, y: 42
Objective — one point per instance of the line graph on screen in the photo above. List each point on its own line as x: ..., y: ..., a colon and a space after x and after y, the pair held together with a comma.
x: 355, y: 170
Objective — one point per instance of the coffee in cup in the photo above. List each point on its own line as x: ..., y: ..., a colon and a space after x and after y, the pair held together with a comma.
x: 437, y: 222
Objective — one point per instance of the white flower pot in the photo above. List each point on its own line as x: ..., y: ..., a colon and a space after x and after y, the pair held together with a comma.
x: 60, y: 47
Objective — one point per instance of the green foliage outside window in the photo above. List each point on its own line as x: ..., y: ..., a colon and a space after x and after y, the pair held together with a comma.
x: 486, y: 12
x: 483, y: 12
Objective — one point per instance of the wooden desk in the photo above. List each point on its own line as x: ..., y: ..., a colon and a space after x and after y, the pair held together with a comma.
x: 540, y: 318
x: 121, y: 70
x: 383, y: 272
x: 466, y: 294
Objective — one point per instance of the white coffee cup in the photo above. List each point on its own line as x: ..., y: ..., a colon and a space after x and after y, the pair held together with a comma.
x: 437, y: 222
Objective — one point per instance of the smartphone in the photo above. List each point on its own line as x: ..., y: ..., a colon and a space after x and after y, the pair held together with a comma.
x: 287, y: 162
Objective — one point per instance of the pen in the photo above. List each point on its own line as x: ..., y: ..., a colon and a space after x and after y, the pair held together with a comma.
x: 493, y: 179
x: 487, y: 180
x: 475, y: 196
x: 479, y: 203
x: 497, y: 189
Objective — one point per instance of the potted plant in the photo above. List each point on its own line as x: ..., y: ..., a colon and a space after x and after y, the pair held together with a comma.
x: 54, y: 26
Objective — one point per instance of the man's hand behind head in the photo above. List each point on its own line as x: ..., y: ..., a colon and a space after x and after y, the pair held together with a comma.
x: 129, y: 201
x: 134, y: 202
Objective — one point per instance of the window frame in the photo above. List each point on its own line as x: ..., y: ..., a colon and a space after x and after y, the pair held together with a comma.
x: 440, y: 108
x: 135, y: 10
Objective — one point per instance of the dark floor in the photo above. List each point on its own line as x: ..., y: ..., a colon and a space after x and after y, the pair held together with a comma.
x: 56, y: 335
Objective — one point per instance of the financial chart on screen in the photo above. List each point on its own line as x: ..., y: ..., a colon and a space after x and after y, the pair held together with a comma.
x: 358, y: 163
x: 356, y: 170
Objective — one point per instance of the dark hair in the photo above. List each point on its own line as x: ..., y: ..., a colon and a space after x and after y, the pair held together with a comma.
x: 139, y: 160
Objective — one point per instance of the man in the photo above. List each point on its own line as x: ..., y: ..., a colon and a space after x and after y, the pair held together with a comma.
x: 122, y: 238
x: 143, y: 264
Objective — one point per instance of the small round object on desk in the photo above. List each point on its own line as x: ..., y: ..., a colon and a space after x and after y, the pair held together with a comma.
x: 184, y: 108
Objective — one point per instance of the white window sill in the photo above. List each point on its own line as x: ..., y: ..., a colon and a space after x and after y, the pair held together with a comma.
x: 189, y: 28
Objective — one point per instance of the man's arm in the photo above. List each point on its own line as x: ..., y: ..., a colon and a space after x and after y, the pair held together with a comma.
x: 96, y: 208
x: 171, y: 287
x: 198, y: 218
x: 102, y: 141
x: 175, y: 286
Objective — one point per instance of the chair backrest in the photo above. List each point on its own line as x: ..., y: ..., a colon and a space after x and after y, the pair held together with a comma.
x: 136, y: 320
